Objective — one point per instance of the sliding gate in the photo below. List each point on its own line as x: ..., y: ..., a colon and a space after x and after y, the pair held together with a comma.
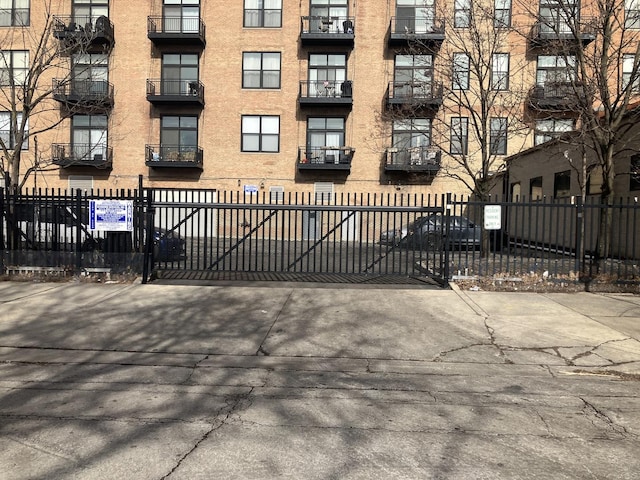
x: 251, y: 237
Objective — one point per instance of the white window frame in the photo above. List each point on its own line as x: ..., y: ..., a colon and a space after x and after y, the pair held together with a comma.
x: 260, y: 130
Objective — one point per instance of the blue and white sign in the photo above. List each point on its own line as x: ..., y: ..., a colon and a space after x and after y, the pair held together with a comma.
x: 111, y: 215
x: 251, y: 189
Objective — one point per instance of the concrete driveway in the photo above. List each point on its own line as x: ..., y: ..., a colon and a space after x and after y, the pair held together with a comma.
x: 297, y: 381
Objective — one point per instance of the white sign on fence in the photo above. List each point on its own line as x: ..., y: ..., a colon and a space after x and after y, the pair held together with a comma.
x: 111, y: 215
x: 492, y: 217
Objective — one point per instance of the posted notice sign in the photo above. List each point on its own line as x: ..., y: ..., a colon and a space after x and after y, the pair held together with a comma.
x: 492, y: 217
x: 111, y: 215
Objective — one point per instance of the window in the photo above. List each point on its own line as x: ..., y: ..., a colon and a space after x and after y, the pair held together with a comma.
x: 263, y: 13
x: 181, y: 16
x: 178, y: 135
x: 502, y: 13
x: 500, y: 71
x: 634, y: 173
x: 459, y: 135
x: 14, y: 67
x: 85, y: 11
x: 515, y: 191
x: 557, y: 16
x: 498, y: 136
x: 562, y: 184
x: 555, y: 69
x: 336, y: 11
x: 260, y: 70
x: 411, y: 140
x: 89, y: 137
x: 261, y: 133
x: 535, y: 188
x: 14, y: 13
x: 413, y: 76
x: 462, y: 13
x: 8, y: 132
x: 179, y: 73
x: 630, y: 73
x: 632, y: 13
x: 327, y: 72
x: 415, y: 16
x: 323, y: 133
x: 460, y: 71
x: 549, y: 129
x: 89, y: 74
x: 595, y: 180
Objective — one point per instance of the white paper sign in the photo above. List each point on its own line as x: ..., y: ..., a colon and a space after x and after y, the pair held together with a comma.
x: 492, y: 217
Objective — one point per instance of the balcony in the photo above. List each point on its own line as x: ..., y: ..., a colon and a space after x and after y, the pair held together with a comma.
x: 551, y: 31
x: 173, y: 156
x: 426, y: 31
x: 324, y: 31
x: 557, y: 96
x: 413, y: 160
x: 177, y: 92
x: 82, y: 155
x: 326, y: 94
x: 415, y: 94
x: 86, y: 94
x: 86, y: 34
x: 325, y: 158
x: 172, y: 31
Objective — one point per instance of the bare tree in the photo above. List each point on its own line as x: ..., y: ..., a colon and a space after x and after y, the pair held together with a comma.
x: 39, y: 89
x: 598, y: 41
x: 484, y: 88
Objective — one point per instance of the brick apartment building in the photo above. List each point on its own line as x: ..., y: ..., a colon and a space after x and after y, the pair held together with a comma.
x: 266, y: 95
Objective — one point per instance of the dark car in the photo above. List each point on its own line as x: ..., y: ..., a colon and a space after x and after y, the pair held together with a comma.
x: 429, y: 232
x: 167, y: 246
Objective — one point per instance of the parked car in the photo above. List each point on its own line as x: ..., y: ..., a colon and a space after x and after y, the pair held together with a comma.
x: 167, y: 246
x: 429, y: 232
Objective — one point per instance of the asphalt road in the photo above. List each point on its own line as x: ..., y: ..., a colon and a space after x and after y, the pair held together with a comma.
x: 316, y: 382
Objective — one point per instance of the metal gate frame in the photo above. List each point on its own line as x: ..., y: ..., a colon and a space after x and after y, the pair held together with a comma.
x: 251, y: 240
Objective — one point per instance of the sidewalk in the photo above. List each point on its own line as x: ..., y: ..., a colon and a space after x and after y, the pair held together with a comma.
x: 291, y: 381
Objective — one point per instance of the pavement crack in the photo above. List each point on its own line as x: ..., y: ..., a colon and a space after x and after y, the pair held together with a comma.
x: 599, y: 418
x: 441, y: 355
x: 261, y: 350
x: 238, y: 402
x: 193, y: 370
x: 492, y: 337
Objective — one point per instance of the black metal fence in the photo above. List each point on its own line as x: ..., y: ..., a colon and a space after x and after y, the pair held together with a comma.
x: 322, y: 237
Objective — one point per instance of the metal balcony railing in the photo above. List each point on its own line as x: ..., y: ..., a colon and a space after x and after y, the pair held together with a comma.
x: 415, y: 93
x: 173, y: 156
x: 84, y: 32
x: 88, y: 93
x: 413, y: 159
x: 325, y: 158
x: 169, y: 91
x: 326, y: 93
x: 319, y: 30
x: 82, y: 155
x: 417, y: 29
x: 557, y: 96
x: 176, y: 29
x: 557, y: 29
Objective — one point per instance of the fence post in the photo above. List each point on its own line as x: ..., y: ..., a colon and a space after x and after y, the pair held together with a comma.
x: 148, y: 245
x: 2, y: 230
x: 447, y: 213
x: 78, y: 230
x: 579, y: 235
